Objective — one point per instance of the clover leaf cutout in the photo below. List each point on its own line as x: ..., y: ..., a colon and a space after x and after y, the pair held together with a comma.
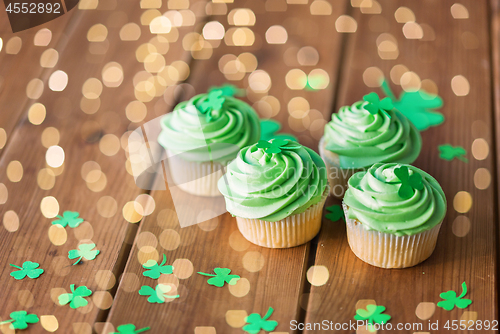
x: 451, y: 300
x: 84, y: 251
x: 448, y: 152
x: 158, y: 294
x: 269, y: 129
x: 76, y: 297
x: 373, y: 104
x: 68, y: 218
x: 256, y: 323
x: 214, y: 101
x: 273, y: 146
x: 335, y: 213
x: 221, y: 276
x: 408, y: 183
x: 130, y: 329
x: 228, y: 90
x: 28, y: 268
x: 20, y: 320
x: 373, y: 314
x: 154, y: 270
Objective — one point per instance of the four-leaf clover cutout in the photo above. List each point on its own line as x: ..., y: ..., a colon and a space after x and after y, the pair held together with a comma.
x: 28, y: 268
x: 256, y: 323
x: 214, y: 101
x: 20, y: 320
x: 451, y: 300
x: 130, y: 329
x: 68, y: 218
x: 221, y: 276
x: 373, y: 313
x: 154, y: 270
x: 409, y: 183
x: 273, y: 146
x: 84, y: 251
x: 448, y: 152
x: 373, y: 104
x: 335, y: 213
x: 158, y: 294
x: 76, y: 297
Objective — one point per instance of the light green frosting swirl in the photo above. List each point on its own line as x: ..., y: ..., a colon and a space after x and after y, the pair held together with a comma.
x: 373, y: 199
x: 362, y: 139
x: 186, y: 130
x: 271, y: 187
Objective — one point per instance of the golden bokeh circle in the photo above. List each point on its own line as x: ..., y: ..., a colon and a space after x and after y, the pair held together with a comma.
x: 241, y: 288
x: 169, y: 239
x: 461, y: 226
x: 253, y: 261
x: 317, y: 275
x: 183, y: 268
x: 462, y: 202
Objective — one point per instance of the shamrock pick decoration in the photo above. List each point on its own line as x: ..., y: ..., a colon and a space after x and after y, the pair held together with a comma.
x: 451, y: 300
x: 335, y: 213
x: 20, y: 320
x: 68, y: 218
x: 221, y: 276
x: 268, y: 129
x: 256, y: 323
x: 130, y: 329
x: 373, y: 314
x: 228, y: 90
x: 214, y: 101
x: 408, y: 183
x: 76, y: 297
x: 28, y: 269
x: 154, y: 270
x: 158, y: 294
x: 373, y: 104
x: 84, y: 251
x: 448, y: 152
x: 273, y: 146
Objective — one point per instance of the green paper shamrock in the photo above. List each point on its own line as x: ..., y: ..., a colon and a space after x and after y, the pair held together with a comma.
x: 408, y: 183
x: 130, y: 329
x: 68, y: 218
x: 268, y: 129
x: 273, y: 146
x: 155, y: 270
x: 256, y: 323
x: 20, y: 320
x: 221, y: 276
x: 76, y: 297
x: 28, y: 269
x: 451, y: 300
x: 448, y: 152
x: 373, y: 314
x: 417, y: 106
x: 335, y: 214
x: 228, y: 90
x: 214, y: 101
x: 158, y: 294
x: 84, y: 251
x: 373, y: 104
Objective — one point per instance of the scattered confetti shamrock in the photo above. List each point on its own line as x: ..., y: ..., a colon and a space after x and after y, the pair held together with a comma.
x: 256, y: 323
x: 451, y: 300
x: 408, y: 183
x: 221, y: 276
x: 448, y: 152
x: 130, y: 329
x: 417, y: 107
x: 228, y: 90
x: 28, y: 269
x: 20, y: 320
x: 373, y: 104
x: 154, y: 270
x: 84, y: 251
x: 214, y: 101
x: 68, y: 218
x: 273, y: 146
x: 158, y: 294
x: 373, y: 313
x: 76, y: 297
x: 268, y: 129
x: 335, y: 214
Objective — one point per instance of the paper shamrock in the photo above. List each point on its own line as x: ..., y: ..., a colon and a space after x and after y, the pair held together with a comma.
x: 256, y: 323
x: 158, y: 294
x: 273, y: 146
x: 228, y: 90
x: 417, y: 106
x: 448, y: 152
x: 373, y: 314
x: 28, y: 268
x: 84, y: 251
x: 68, y: 218
x: 335, y: 213
x: 408, y: 183
x: 76, y: 297
x: 20, y: 320
x: 373, y: 104
x: 221, y: 276
x: 130, y: 329
x: 214, y: 101
x: 268, y: 129
x: 451, y: 300
x: 154, y: 270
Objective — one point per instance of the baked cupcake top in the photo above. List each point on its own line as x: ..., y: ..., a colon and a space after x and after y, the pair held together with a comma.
x: 395, y: 198
x: 372, y: 131
x: 272, y: 180
x: 209, y: 127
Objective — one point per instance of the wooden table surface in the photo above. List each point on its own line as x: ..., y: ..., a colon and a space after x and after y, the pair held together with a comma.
x: 81, y: 84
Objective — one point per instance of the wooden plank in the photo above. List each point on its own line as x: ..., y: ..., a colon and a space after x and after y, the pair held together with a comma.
x: 270, y: 278
x: 460, y: 47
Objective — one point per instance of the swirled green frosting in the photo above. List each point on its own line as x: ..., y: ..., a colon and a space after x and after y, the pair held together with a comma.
x: 273, y: 186
x: 188, y: 131
x: 373, y: 199
x: 362, y: 139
